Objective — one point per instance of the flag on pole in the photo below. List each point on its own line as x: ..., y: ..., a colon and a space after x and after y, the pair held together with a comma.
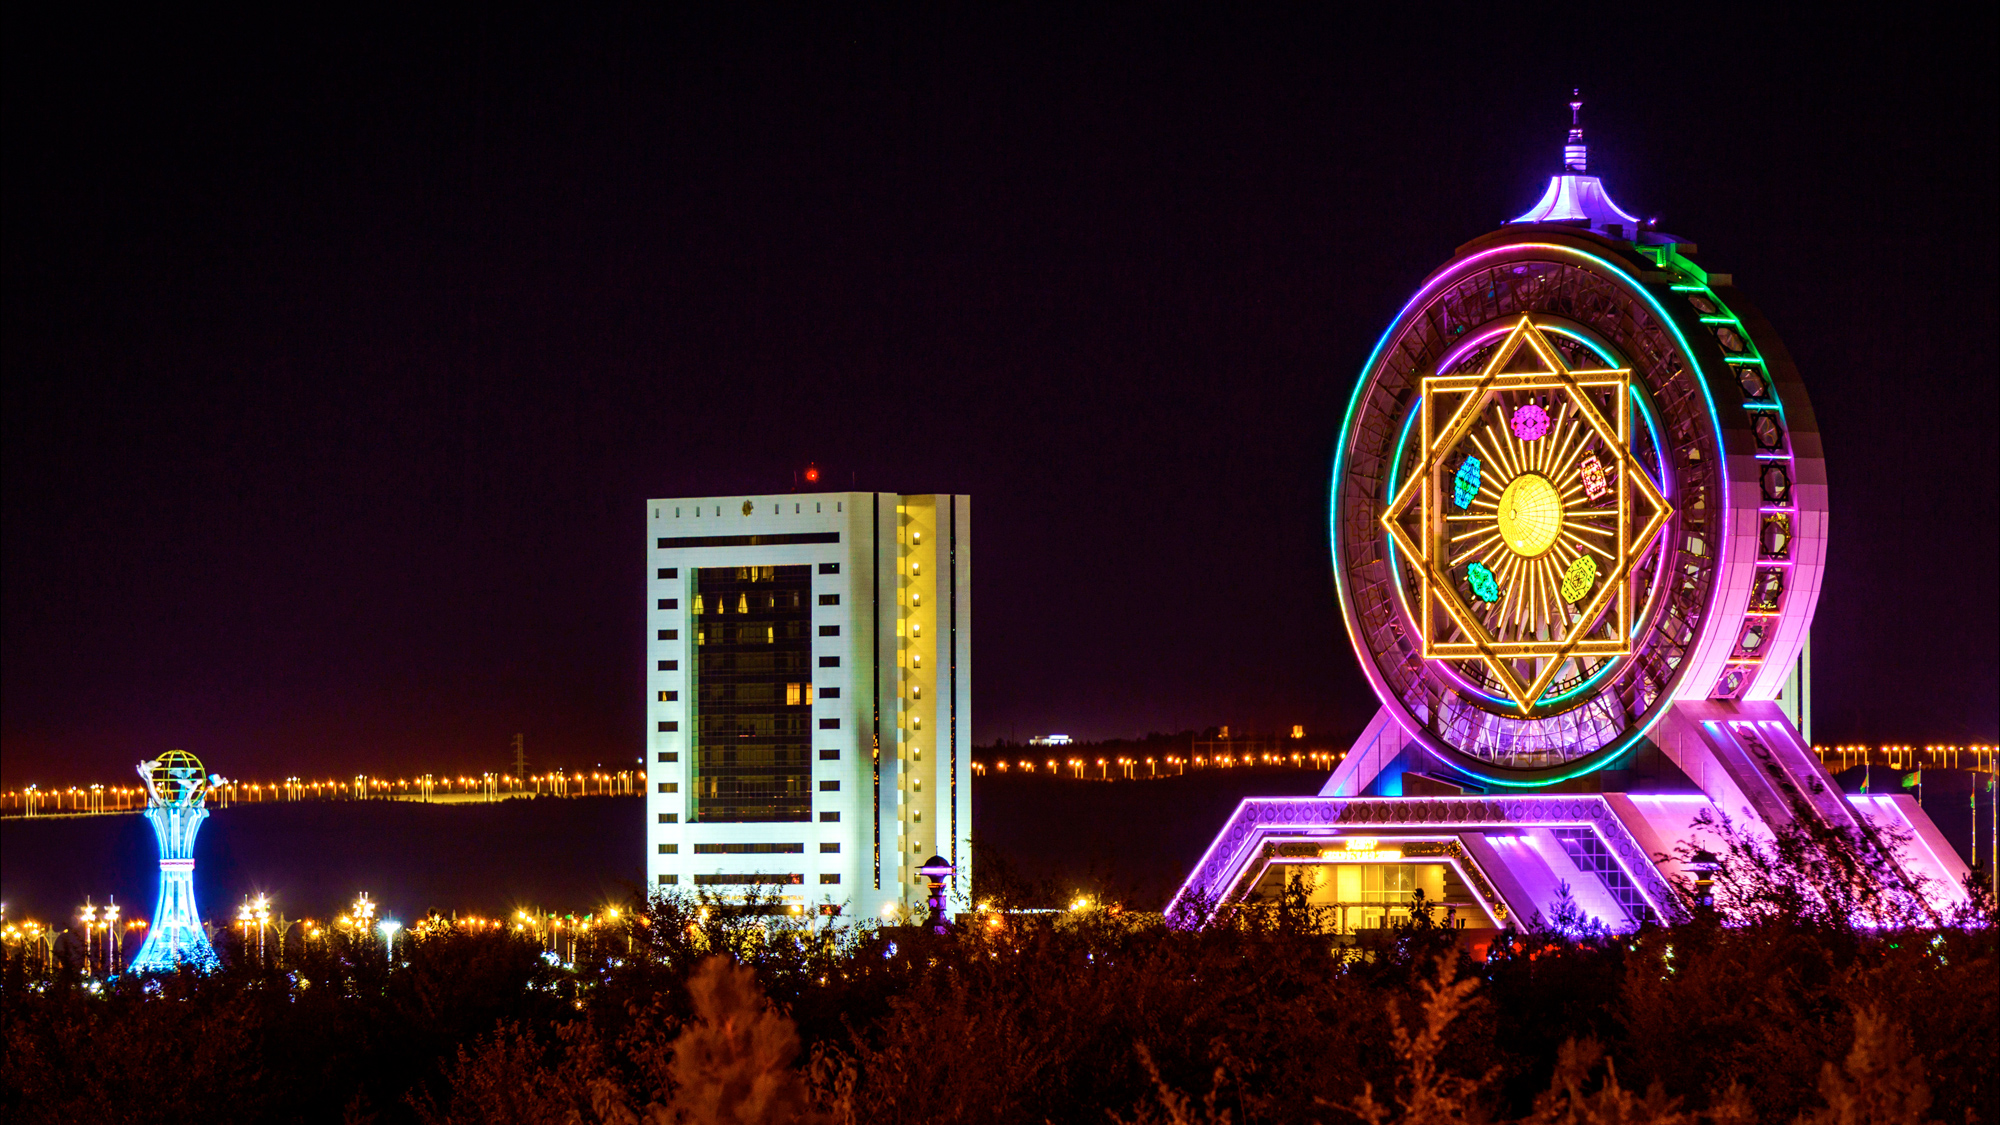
x: 1914, y: 780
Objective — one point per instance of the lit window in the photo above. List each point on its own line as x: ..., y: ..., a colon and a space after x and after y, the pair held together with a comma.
x: 825, y: 849
x: 829, y: 599
x: 669, y: 880
x: 916, y: 537
x: 809, y: 695
x: 669, y: 696
x: 830, y: 877
x: 829, y: 786
x: 697, y: 606
x: 669, y: 818
x: 829, y: 818
x: 670, y: 849
x: 917, y: 690
x: 670, y: 786
x: 793, y: 695
x: 916, y: 599
x: 916, y: 568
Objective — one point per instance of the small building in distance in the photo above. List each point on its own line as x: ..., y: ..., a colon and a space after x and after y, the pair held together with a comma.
x: 808, y: 696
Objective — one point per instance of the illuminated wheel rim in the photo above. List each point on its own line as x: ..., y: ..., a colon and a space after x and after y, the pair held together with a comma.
x: 1550, y: 493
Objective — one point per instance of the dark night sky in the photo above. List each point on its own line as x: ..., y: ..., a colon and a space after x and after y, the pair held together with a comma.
x: 339, y: 355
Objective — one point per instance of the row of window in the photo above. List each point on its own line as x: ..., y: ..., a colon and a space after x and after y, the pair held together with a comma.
x: 788, y: 848
x: 830, y: 817
x: 828, y: 879
x: 675, y: 665
x: 735, y: 724
x: 830, y: 754
x: 831, y: 785
x: 824, y: 568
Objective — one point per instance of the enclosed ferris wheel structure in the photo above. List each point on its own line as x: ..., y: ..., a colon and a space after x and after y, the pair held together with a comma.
x: 1578, y: 520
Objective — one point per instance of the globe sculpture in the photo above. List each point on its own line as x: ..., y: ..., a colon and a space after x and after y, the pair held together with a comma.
x: 175, y: 786
x: 1578, y: 520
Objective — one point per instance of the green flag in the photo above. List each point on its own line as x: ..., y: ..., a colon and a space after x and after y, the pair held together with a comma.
x: 1914, y: 780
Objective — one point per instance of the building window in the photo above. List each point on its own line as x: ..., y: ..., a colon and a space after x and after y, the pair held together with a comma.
x: 829, y: 599
x: 670, y: 666
x: 670, y: 849
x: 751, y: 879
x: 829, y: 724
x: 749, y: 849
x: 829, y: 786
x: 670, y: 787
x: 829, y: 630
x: 669, y: 725
x: 671, y: 571
x: 752, y: 754
x: 829, y: 661
x: 670, y: 634
x: 670, y: 696
x: 830, y: 877
x: 829, y: 755
x: 829, y: 818
x: 829, y: 568
x: 670, y: 818
x: 670, y: 603
x: 670, y: 756
x: 669, y: 880
x: 829, y: 693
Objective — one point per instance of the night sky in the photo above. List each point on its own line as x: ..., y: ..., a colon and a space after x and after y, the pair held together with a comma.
x: 340, y: 355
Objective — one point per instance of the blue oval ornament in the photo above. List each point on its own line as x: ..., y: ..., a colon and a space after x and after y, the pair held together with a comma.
x: 1466, y: 485
x: 1484, y: 586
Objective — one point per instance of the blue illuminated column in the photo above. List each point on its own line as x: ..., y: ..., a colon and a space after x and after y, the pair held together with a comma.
x: 175, y: 786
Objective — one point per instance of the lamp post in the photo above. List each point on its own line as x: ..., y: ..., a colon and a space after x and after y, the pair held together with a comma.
x: 937, y: 872
x: 389, y: 928
x: 89, y: 919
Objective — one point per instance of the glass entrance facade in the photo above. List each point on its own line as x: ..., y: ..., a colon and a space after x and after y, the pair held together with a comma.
x: 753, y: 693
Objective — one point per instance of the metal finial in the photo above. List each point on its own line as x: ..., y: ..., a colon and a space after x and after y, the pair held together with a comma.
x: 1575, y: 154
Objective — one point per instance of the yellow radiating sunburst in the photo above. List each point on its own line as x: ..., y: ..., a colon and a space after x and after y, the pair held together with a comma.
x: 1499, y: 504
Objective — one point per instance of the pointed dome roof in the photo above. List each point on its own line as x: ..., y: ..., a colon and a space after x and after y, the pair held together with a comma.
x: 1574, y: 198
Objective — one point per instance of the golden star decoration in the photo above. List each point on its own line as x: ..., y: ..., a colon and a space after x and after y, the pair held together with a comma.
x: 1532, y: 519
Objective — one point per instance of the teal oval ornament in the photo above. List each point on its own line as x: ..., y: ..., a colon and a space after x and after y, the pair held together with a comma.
x: 1578, y: 579
x: 1466, y: 485
x: 1484, y: 586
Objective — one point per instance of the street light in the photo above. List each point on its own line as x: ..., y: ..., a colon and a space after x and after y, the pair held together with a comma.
x: 389, y: 927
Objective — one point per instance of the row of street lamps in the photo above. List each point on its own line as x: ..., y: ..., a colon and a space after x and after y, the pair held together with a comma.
x: 1165, y: 765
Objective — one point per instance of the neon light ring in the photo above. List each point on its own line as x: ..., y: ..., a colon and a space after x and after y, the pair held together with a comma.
x: 1579, y: 479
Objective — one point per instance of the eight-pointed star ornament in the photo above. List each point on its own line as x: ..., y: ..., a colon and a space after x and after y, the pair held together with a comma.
x: 1527, y: 569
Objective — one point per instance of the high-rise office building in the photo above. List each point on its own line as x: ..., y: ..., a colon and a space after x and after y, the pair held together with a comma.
x: 809, y: 696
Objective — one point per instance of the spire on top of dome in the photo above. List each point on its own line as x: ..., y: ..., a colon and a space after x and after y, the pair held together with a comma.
x: 1574, y: 198
x: 1575, y: 153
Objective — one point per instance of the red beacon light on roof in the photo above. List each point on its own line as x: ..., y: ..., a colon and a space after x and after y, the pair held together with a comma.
x: 812, y: 474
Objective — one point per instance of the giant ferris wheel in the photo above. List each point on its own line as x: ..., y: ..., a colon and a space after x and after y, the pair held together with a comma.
x: 1579, y: 480
x: 1578, y: 520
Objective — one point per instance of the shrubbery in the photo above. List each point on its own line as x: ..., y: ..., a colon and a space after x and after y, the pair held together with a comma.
x: 710, y: 1015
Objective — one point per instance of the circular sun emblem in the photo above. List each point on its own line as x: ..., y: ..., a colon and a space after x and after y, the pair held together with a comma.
x: 1530, y: 515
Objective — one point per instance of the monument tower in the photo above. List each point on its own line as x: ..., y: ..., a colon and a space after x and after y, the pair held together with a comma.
x: 175, y: 786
